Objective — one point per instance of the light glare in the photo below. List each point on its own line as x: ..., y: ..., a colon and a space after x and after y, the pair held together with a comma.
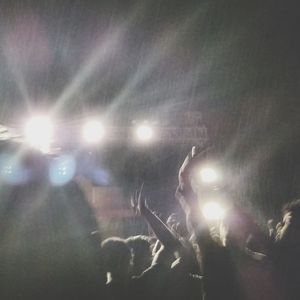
x: 144, y: 133
x: 213, y: 211
x: 39, y: 132
x: 208, y: 175
x: 93, y: 132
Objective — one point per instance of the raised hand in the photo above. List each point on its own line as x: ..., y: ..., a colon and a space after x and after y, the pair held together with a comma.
x: 184, y: 189
x: 135, y: 200
x: 139, y: 202
x: 142, y: 205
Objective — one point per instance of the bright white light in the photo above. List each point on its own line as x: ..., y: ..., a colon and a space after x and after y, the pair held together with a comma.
x: 144, y: 133
x: 208, y: 175
x: 39, y: 132
x: 93, y: 132
x: 213, y: 211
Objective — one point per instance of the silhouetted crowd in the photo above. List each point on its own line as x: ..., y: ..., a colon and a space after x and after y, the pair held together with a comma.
x: 51, y: 248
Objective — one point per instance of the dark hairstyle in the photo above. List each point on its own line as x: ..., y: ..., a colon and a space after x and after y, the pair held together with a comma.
x: 142, y: 253
x: 139, y: 243
x: 116, y: 255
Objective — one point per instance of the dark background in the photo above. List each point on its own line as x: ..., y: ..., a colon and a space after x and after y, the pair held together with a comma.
x: 235, y: 61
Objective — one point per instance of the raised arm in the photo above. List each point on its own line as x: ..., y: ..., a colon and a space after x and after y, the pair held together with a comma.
x: 162, y: 232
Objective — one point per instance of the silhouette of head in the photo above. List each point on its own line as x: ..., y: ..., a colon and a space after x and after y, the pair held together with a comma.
x: 141, y: 249
x: 117, y: 257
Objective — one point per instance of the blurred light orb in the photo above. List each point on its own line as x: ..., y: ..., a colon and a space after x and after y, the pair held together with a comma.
x: 208, y: 175
x: 39, y: 132
x: 12, y: 171
x: 144, y: 133
x: 93, y: 132
x: 213, y: 211
x: 62, y: 169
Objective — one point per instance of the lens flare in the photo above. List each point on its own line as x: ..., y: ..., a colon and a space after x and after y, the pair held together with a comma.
x: 62, y: 169
x: 208, y: 175
x: 213, y: 211
x: 93, y: 132
x: 38, y: 132
x: 12, y: 171
x: 144, y: 133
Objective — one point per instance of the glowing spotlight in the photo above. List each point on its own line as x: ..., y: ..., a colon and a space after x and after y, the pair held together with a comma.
x: 144, y: 133
x: 39, y: 132
x: 213, y: 211
x: 208, y: 175
x: 93, y: 132
x: 62, y: 169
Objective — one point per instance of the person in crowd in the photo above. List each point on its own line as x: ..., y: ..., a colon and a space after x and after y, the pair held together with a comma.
x: 230, y: 269
x: 285, y: 252
x: 117, y: 261
x: 142, y: 255
x: 248, y: 248
x: 151, y: 284
x: 171, y: 274
x: 220, y: 280
x: 50, y: 249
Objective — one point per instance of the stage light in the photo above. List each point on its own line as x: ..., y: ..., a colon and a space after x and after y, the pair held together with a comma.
x: 62, y: 170
x: 213, y: 211
x: 39, y: 132
x: 144, y: 133
x: 93, y: 132
x: 208, y: 175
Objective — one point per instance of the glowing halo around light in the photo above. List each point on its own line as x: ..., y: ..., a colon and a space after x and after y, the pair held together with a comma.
x: 213, y: 211
x: 144, y: 133
x: 208, y: 175
x: 38, y: 132
x: 93, y: 131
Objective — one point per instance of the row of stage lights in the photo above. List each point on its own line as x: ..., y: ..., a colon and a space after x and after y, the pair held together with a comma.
x: 39, y: 132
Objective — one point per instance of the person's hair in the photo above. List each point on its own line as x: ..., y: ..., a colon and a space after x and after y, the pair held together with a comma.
x: 140, y: 244
x: 116, y: 255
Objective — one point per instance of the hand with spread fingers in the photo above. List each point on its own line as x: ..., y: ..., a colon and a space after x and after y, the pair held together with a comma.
x: 138, y: 202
